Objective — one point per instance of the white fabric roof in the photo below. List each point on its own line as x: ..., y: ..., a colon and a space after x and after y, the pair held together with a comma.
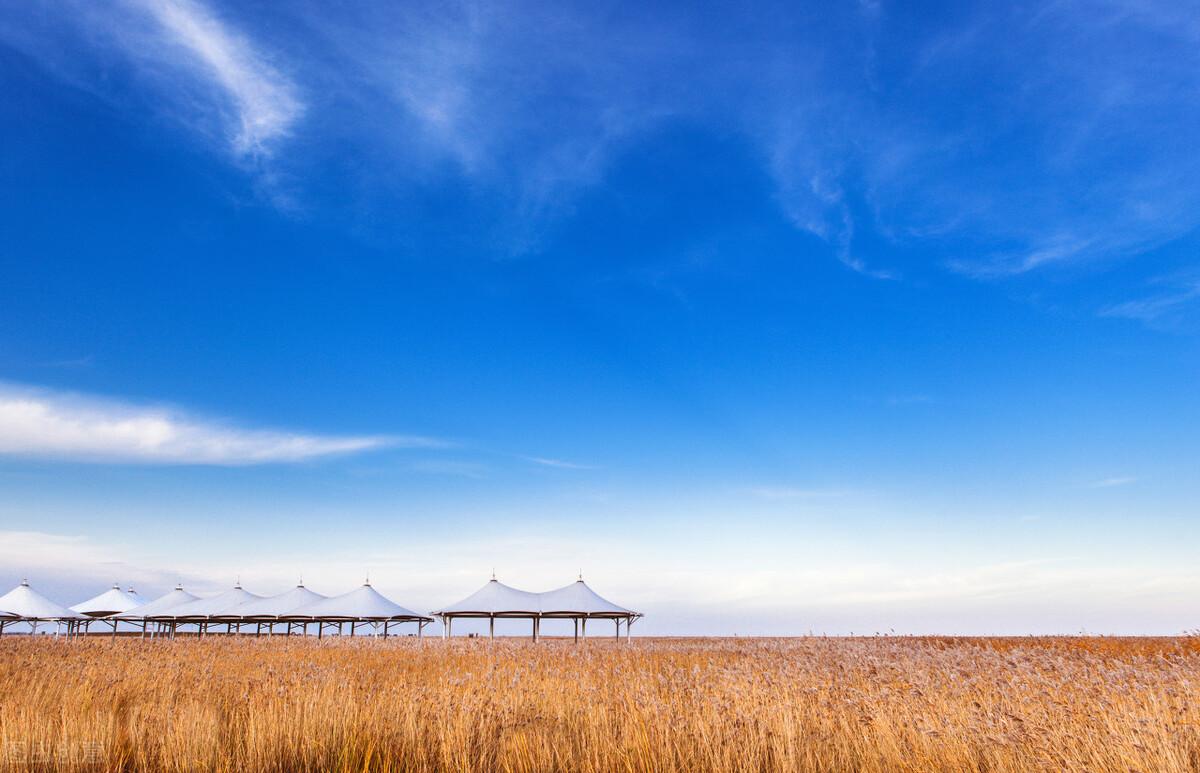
x: 175, y: 598
x: 27, y: 603
x: 496, y: 598
x: 220, y: 605
x: 110, y: 602
x: 363, y: 603
x: 278, y: 606
x: 579, y: 598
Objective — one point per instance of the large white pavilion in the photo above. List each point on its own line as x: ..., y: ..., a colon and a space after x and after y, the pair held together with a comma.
x: 576, y: 601
x: 26, y: 605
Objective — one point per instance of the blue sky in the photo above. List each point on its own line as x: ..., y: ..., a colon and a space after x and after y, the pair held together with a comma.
x: 768, y: 318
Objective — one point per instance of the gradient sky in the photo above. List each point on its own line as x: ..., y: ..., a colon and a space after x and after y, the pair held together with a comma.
x: 768, y: 319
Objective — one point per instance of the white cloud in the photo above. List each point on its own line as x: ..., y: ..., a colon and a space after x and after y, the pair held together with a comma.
x: 791, y: 492
x: 1155, y: 308
x: 42, y: 424
x: 1123, y: 480
x: 559, y: 463
x: 265, y: 101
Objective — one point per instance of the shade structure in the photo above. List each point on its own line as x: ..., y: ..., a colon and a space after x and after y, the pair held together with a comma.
x: 576, y: 601
x: 495, y: 599
x: 278, y: 607
x: 364, y: 603
x: 27, y: 604
x: 218, y: 607
x: 113, y: 601
x: 160, y: 605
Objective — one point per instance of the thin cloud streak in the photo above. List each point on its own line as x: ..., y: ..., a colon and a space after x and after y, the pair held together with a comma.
x: 558, y: 463
x: 791, y: 492
x: 1124, y: 480
x: 266, y: 101
x: 45, y: 425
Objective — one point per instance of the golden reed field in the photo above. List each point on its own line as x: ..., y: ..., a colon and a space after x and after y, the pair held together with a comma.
x: 810, y: 704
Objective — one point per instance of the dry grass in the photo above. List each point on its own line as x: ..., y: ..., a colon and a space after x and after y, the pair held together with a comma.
x: 663, y: 705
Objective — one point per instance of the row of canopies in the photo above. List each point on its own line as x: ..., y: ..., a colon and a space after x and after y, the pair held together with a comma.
x: 301, y: 607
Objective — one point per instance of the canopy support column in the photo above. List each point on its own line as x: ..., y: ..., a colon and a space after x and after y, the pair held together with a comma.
x: 491, y: 627
x: 576, y: 621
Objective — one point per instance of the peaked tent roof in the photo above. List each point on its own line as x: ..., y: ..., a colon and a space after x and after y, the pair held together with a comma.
x: 110, y: 602
x: 578, y: 598
x: 26, y: 603
x: 281, y: 605
x: 364, y: 603
x: 220, y: 605
x: 175, y: 598
x: 496, y: 598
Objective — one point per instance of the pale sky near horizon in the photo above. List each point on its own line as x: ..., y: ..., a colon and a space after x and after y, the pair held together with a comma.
x: 768, y: 318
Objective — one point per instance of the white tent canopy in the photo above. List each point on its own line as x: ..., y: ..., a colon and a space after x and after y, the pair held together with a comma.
x: 278, y: 607
x: 575, y: 601
x: 28, y: 604
x: 578, y: 600
x: 111, y: 602
x: 364, y: 603
x: 496, y: 599
x: 160, y: 605
x: 221, y: 605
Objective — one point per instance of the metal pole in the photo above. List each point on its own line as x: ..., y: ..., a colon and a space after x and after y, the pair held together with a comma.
x: 617, y: 620
x: 491, y: 626
x: 576, y: 621
x: 585, y: 627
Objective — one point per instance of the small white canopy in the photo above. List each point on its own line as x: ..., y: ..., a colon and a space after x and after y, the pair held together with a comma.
x: 221, y: 605
x: 364, y: 603
x: 160, y: 605
x: 277, y: 607
x: 496, y: 599
x: 578, y: 600
x: 111, y: 602
x: 28, y: 604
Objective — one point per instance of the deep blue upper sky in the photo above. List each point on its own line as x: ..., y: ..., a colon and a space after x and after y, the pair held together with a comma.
x: 841, y: 318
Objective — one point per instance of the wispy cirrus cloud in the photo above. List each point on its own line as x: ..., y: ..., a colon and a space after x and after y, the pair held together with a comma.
x: 1154, y: 309
x: 1119, y: 480
x: 792, y: 492
x: 558, y: 463
x: 183, y: 60
x: 41, y: 424
x: 265, y: 102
